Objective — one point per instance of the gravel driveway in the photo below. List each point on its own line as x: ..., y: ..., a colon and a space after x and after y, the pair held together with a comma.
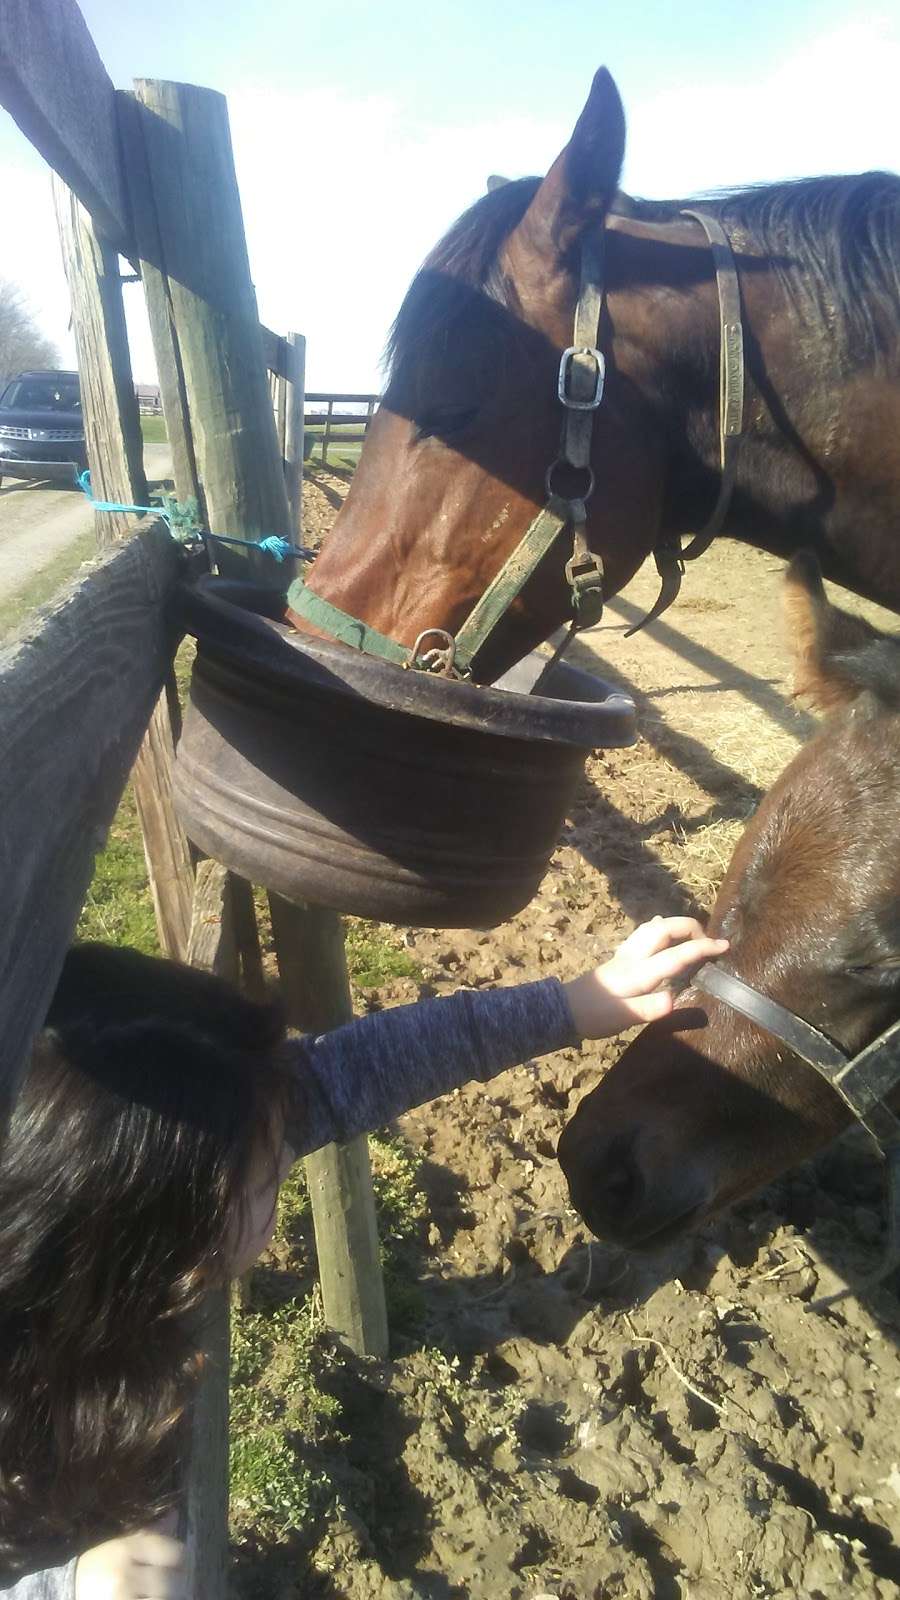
x: 38, y: 521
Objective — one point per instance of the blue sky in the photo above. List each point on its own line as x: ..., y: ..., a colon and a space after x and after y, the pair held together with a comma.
x: 362, y: 129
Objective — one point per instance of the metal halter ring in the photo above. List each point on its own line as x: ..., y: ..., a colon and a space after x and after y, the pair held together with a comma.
x: 565, y: 375
x: 440, y: 660
x: 562, y: 462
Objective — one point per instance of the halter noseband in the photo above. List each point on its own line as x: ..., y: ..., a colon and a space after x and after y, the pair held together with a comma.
x: 863, y: 1082
x: 580, y: 382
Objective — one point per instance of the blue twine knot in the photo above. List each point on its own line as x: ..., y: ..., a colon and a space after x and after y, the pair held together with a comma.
x: 182, y: 520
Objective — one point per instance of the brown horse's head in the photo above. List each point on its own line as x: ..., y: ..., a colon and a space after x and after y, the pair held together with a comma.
x: 704, y: 1107
x: 454, y: 465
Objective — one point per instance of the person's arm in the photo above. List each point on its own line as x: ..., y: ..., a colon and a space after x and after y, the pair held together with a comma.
x: 55, y: 1583
x: 364, y: 1074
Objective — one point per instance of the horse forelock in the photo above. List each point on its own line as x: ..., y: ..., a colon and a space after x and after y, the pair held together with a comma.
x: 467, y: 258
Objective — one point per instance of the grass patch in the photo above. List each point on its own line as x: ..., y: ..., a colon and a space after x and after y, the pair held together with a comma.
x: 374, y: 955
x: 18, y: 608
x: 153, y: 430
x: 283, y: 1410
x: 118, y: 909
x: 276, y: 1408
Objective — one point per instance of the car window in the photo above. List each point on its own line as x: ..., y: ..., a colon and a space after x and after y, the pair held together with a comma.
x: 43, y: 394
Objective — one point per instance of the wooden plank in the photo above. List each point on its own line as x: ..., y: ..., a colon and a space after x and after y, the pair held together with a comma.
x: 167, y: 852
x: 204, y: 1528
x: 293, y: 443
x: 116, y: 455
x: 211, y: 942
x: 53, y: 83
x: 343, y: 399
x: 75, y: 698
x: 165, y: 344
x: 112, y: 422
x: 246, y: 933
x: 204, y: 1519
x: 274, y: 352
x: 309, y: 943
x: 190, y: 235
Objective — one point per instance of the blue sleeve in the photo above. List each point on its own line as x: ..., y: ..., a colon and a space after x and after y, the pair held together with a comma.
x: 55, y: 1583
x: 364, y: 1074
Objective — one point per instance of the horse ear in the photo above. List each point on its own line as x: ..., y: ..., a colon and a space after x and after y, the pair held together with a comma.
x: 580, y: 186
x: 496, y: 182
x: 824, y: 638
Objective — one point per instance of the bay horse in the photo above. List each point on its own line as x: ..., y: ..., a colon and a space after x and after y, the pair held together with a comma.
x: 456, y: 461
x: 708, y: 1105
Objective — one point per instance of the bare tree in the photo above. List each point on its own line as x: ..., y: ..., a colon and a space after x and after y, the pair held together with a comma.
x: 22, y: 345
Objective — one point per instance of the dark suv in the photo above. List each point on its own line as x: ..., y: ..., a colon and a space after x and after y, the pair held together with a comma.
x: 41, y: 427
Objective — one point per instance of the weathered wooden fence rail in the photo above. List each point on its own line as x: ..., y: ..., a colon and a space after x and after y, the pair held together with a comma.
x: 88, y: 697
x: 339, y: 427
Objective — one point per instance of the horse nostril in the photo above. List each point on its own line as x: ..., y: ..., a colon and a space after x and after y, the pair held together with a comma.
x: 610, y: 1188
x: 622, y: 1184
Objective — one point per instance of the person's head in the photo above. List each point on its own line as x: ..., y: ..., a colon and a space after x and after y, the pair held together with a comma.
x: 138, y: 1171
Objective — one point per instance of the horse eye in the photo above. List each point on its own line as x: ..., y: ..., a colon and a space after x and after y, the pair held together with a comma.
x: 445, y: 423
x: 884, y: 974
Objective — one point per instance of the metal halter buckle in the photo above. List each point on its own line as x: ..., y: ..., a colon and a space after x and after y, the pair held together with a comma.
x: 435, y: 659
x: 584, y: 575
x: 565, y: 374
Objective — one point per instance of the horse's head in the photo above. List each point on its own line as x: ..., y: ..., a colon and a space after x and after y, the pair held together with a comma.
x: 454, y: 465
x: 705, y: 1107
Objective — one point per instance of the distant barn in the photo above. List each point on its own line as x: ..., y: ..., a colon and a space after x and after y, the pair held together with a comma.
x: 148, y: 397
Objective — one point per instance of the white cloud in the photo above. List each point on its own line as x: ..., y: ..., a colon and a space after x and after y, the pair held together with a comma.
x: 830, y: 107
x: 344, y: 196
x: 342, y: 199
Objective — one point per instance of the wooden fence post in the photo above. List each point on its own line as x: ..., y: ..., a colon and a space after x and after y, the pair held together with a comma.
x: 212, y: 946
x: 295, y: 349
x: 115, y: 452
x: 327, y: 434
x: 203, y: 315
x: 112, y: 421
x: 309, y: 943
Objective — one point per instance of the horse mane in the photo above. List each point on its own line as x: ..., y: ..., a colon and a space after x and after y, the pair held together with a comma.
x: 833, y: 241
x: 875, y: 669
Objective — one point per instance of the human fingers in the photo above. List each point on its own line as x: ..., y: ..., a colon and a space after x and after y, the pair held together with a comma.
x: 658, y: 934
x: 642, y: 975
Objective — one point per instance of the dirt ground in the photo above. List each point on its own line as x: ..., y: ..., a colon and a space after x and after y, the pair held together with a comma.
x: 571, y: 1423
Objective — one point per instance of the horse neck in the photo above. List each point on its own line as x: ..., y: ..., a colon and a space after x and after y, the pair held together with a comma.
x: 800, y: 421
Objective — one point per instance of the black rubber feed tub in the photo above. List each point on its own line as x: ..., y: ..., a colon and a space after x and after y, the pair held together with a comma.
x: 333, y: 777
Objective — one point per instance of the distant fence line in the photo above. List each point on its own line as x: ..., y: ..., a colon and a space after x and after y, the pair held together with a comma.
x: 348, y: 423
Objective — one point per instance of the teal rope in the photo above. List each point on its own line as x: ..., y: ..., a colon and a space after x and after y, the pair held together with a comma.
x: 181, y: 519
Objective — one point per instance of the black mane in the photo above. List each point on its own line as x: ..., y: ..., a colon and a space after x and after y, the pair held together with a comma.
x: 834, y: 241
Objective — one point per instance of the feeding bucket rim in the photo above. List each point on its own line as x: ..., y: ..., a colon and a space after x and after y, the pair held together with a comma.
x: 241, y: 624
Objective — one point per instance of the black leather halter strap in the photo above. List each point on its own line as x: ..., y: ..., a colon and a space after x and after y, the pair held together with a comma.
x: 863, y: 1082
x: 669, y: 555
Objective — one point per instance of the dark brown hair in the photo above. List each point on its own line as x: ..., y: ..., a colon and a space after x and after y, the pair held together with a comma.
x: 123, y: 1177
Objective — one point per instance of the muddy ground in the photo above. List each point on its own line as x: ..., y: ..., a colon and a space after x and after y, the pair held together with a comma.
x: 564, y: 1421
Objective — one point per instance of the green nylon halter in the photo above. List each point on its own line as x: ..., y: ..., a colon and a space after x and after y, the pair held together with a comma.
x: 580, y: 390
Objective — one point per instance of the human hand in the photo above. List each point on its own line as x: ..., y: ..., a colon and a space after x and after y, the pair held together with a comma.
x: 146, y: 1565
x: 630, y: 987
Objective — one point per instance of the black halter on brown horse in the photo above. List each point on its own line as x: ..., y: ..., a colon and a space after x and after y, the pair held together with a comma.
x: 455, y: 467
x: 766, y: 1058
